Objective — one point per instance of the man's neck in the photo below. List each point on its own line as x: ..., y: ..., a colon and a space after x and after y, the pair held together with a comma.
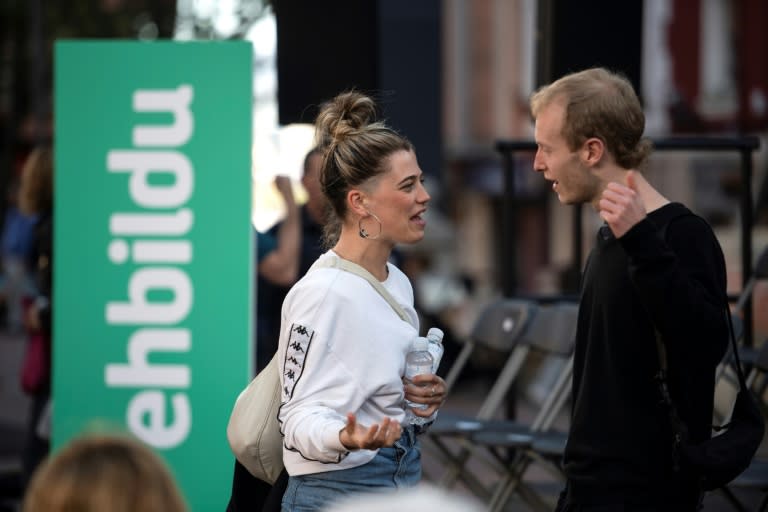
x: 652, y: 198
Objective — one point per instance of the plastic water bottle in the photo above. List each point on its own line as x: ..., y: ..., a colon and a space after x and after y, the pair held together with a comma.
x: 435, y: 346
x: 417, y: 362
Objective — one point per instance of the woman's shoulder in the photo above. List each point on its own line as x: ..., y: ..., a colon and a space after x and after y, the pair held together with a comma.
x: 328, y: 285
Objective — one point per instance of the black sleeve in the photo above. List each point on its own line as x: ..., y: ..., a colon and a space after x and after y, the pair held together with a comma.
x: 681, y: 279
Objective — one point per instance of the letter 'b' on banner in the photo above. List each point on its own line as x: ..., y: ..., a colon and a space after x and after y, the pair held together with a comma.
x: 153, y: 258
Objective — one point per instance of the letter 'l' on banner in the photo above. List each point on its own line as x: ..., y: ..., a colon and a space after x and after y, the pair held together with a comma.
x: 153, y: 249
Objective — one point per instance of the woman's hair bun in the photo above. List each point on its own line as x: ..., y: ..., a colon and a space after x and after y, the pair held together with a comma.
x: 343, y: 116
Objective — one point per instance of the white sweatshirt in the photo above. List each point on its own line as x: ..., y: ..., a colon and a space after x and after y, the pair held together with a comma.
x: 342, y: 349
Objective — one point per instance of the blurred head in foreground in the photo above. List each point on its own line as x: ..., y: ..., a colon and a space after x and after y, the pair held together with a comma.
x: 422, y: 498
x: 103, y: 472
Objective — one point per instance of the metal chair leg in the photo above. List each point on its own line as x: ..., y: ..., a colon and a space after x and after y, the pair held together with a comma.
x: 733, y: 500
x: 764, y: 504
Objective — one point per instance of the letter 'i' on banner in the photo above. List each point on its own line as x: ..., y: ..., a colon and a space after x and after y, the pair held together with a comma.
x: 153, y: 249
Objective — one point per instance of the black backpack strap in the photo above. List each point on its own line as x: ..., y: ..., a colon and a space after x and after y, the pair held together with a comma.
x: 679, y: 428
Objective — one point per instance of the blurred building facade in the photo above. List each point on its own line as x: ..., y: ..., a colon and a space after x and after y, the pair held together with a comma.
x: 700, y: 66
x: 455, y: 76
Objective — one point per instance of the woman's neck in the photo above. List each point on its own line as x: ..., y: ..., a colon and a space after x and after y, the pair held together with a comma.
x: 372, y: 255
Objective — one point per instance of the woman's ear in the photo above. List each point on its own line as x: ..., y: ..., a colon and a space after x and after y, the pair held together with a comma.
x: 592, y: 151
x: 356, y: 202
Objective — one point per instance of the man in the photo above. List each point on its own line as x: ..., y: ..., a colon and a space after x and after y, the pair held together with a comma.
x: 313, y: 212
x: 656, y: 267
x: 278, y: 254
x: 309, y: 220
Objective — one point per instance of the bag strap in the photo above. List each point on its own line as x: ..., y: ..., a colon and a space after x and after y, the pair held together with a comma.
x: 662, y: 353
x: 335, y: 261
x: 679, y: 428
x: 734, y: 349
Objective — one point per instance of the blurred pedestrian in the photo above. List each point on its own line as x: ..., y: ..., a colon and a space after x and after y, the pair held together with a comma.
x: 36, y: 198
x: 314, y: 212
x: 278, y: 256
x: 17, y: 239
x: 270, y: 291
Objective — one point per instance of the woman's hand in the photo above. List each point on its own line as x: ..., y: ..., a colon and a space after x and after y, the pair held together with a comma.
x: 426, y: 389
x: 355, y: 436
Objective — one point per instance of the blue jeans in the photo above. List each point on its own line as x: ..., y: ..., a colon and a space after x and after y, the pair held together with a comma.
x: 391, y: 468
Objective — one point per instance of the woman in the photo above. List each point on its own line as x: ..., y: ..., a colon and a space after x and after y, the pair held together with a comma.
x: 342, y: 347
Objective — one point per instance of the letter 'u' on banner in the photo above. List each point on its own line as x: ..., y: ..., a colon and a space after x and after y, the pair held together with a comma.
x: 153, y: 258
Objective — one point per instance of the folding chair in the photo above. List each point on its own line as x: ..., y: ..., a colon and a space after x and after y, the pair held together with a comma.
x: 755, y: 363
x: 498, y: 328
x: 550, y: 332
x: 726, y: 375
x: 755, y: 477
x: 760, y: 272
x: 536, y: 441
x: 747, y: 354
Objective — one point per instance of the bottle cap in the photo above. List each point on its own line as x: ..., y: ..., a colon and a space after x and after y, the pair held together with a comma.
x: 436, y: 334
x: 420, y: 343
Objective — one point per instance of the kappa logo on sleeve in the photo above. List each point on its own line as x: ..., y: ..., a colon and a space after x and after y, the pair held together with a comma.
x: 295, y: 356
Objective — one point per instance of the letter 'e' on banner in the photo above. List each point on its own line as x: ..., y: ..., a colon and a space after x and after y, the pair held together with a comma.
x: 153, y: 258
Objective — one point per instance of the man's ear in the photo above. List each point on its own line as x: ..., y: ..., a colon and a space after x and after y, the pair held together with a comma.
x: 592, y: 151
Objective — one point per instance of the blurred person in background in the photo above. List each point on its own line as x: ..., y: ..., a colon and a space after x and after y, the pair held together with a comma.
x: 313, y: 212
x: 18, y: 231
x: 103, y: 473
x: 278, y: 255
x: 36, y: 199
x: 271, y: 291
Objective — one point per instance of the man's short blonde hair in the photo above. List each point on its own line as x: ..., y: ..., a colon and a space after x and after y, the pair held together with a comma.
x: 602, y: 104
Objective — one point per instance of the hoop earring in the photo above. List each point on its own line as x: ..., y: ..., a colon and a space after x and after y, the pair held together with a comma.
x: 364, y: 232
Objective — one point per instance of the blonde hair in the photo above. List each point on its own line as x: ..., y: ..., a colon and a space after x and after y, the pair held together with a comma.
x: 103, y: 472
x: 602, y: 104
x: 355, y: 149
x: 36, y: 187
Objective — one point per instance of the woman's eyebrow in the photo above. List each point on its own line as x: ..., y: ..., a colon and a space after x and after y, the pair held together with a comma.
x: 411, y: 177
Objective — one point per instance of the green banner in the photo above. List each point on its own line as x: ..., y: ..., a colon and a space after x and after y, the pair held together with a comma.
x: 153, y: 249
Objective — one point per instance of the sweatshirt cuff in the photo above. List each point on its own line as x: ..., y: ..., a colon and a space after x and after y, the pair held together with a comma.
x: 332, y: 441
